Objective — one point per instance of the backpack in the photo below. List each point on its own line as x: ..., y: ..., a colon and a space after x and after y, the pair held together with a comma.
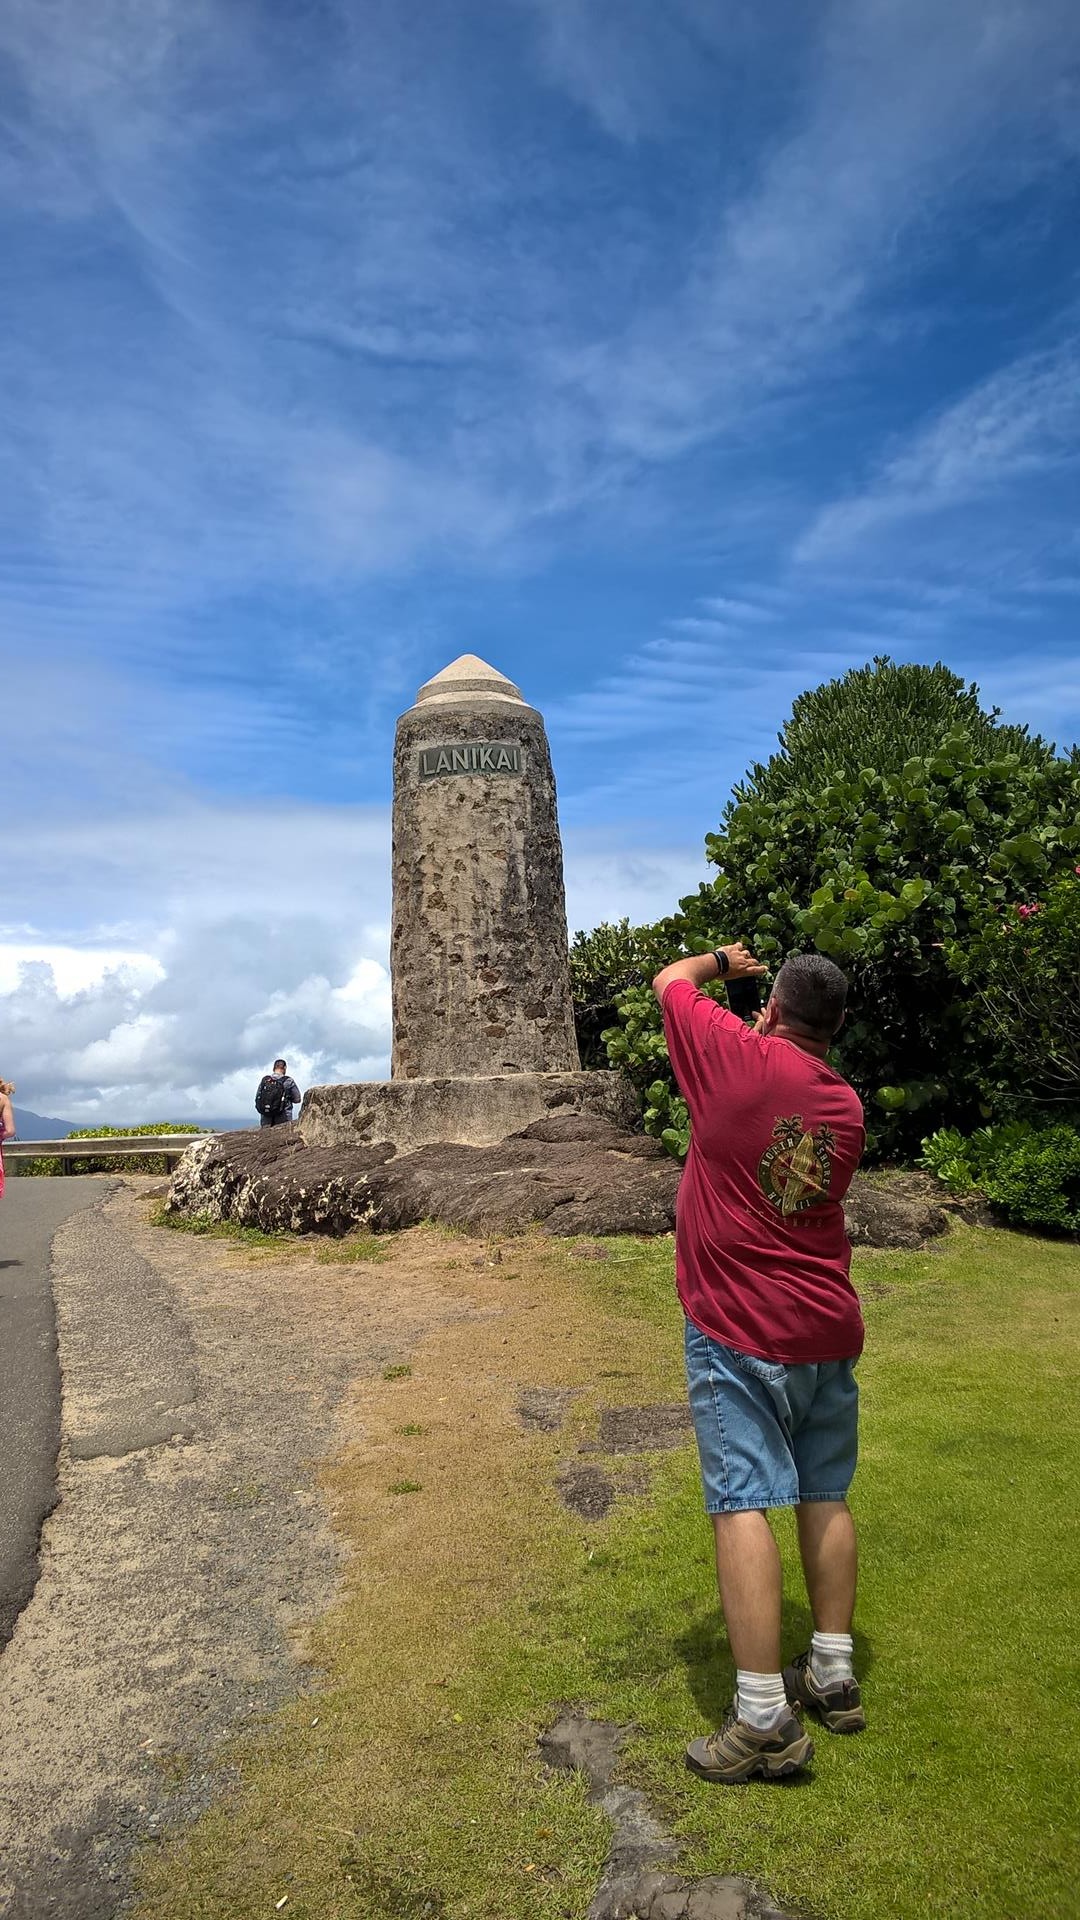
x: 270, y: 1101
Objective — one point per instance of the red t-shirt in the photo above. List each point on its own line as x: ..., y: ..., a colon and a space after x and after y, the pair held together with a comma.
x: 762, y: 1256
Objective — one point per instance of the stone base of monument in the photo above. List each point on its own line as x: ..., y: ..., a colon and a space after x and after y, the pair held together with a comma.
x: 474, y: 1112
x: 567, y: 1174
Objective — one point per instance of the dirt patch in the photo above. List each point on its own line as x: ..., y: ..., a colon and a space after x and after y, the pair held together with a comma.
x: 544, y: 1409
x: 586, y: 1491
x: 190, y: 1541
x: 643, y: 1429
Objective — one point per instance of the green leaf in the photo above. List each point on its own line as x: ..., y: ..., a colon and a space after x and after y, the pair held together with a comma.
x: 891, y: 1099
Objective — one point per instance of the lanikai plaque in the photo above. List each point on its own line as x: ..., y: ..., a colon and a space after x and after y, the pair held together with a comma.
x: 465, y: 756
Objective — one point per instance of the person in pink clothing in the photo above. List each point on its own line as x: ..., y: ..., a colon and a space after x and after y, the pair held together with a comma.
x: 7, y: 1124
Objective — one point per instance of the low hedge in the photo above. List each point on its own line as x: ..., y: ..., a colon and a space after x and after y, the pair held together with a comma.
x: 122, y: 1163
x: 1028, y: 1170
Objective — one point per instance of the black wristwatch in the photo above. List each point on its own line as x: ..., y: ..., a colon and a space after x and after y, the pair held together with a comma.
x: 722, y: 962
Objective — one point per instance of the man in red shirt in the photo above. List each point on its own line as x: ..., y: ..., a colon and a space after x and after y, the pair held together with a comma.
x: 773, y: 1331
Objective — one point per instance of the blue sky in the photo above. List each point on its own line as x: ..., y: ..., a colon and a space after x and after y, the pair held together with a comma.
x: 672, y: 357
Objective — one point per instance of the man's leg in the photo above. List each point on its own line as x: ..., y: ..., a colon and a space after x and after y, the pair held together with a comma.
x: 830, y: 1562
x: 825, y: 1402
x: 760, y: 1735
x: 750, y: 1581
x: 746, y: 1468
x: 823, y: 1678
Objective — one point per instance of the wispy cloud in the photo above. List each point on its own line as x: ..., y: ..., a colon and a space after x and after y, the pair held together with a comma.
x: 701, y: 681
x: 912, y: 107
x: 1020, y: 423
x: 274, y: 241
x: 636, y: 67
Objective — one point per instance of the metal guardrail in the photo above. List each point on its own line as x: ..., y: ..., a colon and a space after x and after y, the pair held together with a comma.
x: 109, y: 1147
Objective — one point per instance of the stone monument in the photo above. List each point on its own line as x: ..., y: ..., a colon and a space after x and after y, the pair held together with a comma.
x: 483, y: 1040
x: 478, y: 958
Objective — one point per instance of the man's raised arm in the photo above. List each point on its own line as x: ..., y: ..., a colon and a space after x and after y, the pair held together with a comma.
x: 727, y: 963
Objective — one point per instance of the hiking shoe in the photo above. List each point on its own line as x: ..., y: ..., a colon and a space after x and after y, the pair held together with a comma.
x: 736, y: 1752
x: 838, y: 1707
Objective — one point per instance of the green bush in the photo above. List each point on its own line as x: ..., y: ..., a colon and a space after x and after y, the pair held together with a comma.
x: 1038, y: 1181
x: 1023, y: 965
x: 961, y: 1161
x: 604, y: 963
x: 122, y: 1163
x: 880, y: 716
x: 638, y: 1046
x: 1029, y: 1171
x: 893, y: 875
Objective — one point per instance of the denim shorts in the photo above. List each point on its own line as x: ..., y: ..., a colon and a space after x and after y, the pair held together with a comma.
x: 770, y: 1435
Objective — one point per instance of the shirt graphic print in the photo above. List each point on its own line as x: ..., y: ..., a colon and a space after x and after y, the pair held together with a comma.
x: 795, y: 1171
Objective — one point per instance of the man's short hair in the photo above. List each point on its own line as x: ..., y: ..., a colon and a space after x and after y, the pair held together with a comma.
x: 281, y: 1063
x: 811, y: 992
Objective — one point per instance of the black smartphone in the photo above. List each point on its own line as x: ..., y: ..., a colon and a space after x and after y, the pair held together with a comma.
x: 744, y: 997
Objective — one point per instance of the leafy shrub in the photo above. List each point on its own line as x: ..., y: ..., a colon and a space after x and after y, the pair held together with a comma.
x: 612, y: 959
x: 1038, y: 1182
x: 1030, y: 1172
x: 889, y: 874
x: 961, y: 1162
x: 1024, y: 967
x: 122, y: 1163
x: 880, y: 716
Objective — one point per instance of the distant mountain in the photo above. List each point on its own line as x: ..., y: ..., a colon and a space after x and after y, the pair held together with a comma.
x: 38, y: 1126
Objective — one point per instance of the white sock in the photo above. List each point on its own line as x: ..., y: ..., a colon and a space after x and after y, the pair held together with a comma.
x: 761, y: 1699
x: 830, y: 1658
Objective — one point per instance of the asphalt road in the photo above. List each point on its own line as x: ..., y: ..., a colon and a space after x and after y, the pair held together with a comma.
x: 30, y: 1213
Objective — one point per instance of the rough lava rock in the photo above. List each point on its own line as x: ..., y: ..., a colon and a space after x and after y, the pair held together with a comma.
x: 569, y: 1173
x: 638, y: 1881
x: 895, y: 1209
x: 268, y: 1178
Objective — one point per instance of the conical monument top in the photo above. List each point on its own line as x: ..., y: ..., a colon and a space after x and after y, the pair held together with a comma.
x: 468, y: 678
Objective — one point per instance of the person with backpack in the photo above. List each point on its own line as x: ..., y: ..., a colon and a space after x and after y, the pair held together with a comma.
x: 276, y: 1096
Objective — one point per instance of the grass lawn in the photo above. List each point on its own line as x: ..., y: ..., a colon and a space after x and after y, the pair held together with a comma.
x: 410, y: 1788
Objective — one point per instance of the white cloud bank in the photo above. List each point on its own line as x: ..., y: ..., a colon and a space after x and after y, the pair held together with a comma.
x: 210, y: 938
x: 219, y: 936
